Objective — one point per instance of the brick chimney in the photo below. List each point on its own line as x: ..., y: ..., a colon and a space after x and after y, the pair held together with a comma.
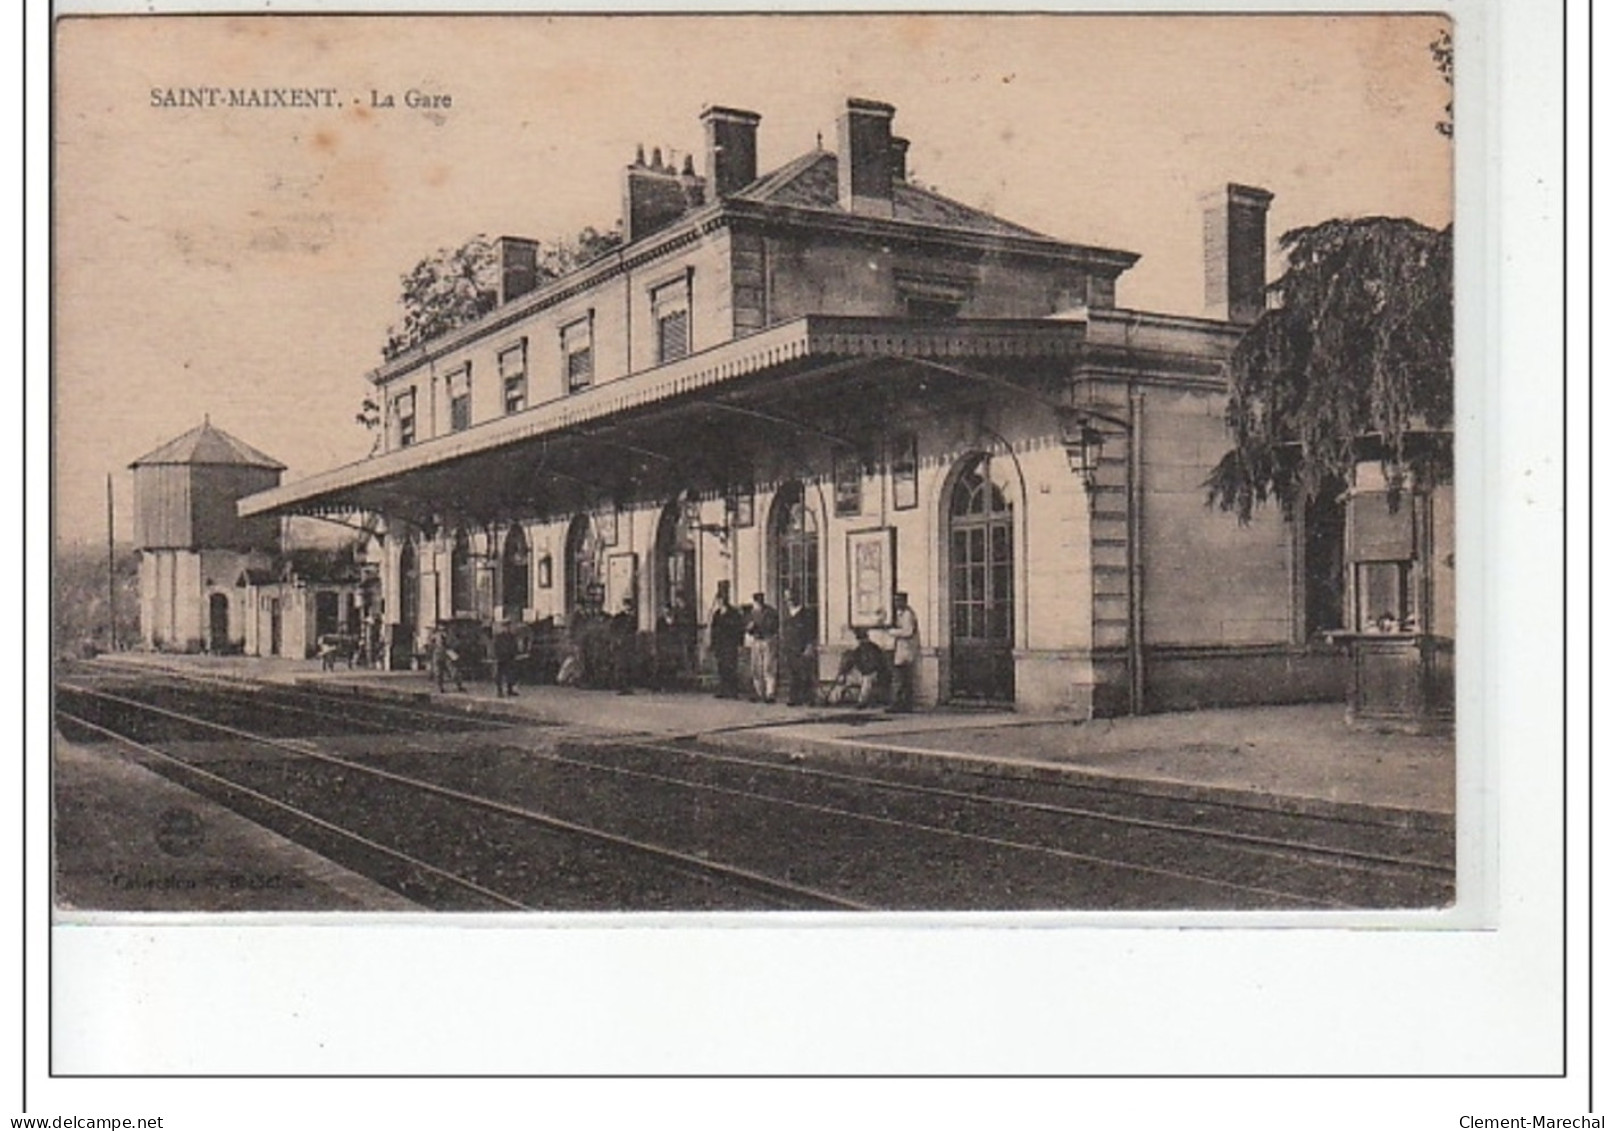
x: 731, y: 149
x: 653, y: 196
x: 518, y: 266
x: 864, y: 160
x: 1236, y: 252
x: 899, y: 160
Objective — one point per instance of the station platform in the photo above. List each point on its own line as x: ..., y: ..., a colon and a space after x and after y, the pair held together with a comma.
x: 128, y: 839
x: 1299, y: 758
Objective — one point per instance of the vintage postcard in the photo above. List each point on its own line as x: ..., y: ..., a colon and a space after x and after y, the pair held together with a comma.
x: 579, y: 470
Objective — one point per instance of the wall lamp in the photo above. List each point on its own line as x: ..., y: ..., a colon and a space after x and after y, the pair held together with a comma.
x: 1084, y: 445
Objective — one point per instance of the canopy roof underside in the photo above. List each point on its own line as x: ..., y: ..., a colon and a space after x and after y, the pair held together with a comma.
x: 776, y: 399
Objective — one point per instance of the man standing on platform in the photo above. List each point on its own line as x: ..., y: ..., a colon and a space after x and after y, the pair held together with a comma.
x: 504, y: 660
x: 728, y: 628
x: 905, y: 652
x: 624, y: 643
x: 762, y: 626
x: 798, y: 642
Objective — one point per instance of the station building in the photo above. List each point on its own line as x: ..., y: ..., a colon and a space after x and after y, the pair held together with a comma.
x: 829, y: 378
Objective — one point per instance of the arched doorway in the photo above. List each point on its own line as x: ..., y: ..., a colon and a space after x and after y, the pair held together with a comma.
x: 218, y: 623
x: 675, y: 559
x: 981, y: 585
x: 582, y: 562
x: 676, y: 593
x: 793, y: 531
x: 515, y: 581
x: 409, y: 590
x: 462, y: 577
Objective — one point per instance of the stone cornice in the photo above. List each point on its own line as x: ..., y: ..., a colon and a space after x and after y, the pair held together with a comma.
x: 702, y: 222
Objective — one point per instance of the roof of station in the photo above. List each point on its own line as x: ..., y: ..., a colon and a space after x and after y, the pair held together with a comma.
x: 810, y: 181
x: 206, y: 445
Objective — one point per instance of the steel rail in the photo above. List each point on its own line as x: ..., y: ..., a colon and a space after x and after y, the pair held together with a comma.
x: 1367, y: 859
x: 244, y: 685
x: 300, y: 814
x: 1343, y: 857
x: 633, y: 739
x: 978, y: 838
x: 661, y: 853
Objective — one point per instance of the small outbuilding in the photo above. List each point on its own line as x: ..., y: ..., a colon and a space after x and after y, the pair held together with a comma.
x: 193, y: 545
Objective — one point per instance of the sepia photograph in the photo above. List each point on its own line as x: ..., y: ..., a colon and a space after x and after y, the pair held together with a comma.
x: 524, y: 464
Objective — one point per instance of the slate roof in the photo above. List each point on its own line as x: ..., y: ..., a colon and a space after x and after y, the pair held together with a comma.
x: 810, y: 182
x: 207, y: 445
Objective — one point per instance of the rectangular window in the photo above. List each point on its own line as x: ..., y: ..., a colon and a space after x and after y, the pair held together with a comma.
x: 930, y: 297
x: 459, y: 386
x: 404, y: 409
x: 849, y: 485
x: 932, y: 309
x: 1383, y: 603
x: 577, y: 346
x: 513, y: 376
x: 1382, y: 549
x: 670, y: 309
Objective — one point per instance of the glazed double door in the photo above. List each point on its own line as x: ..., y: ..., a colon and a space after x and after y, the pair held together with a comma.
x: 982, y: 607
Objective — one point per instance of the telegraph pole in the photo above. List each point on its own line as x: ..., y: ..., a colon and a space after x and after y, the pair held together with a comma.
x: 112, y: 574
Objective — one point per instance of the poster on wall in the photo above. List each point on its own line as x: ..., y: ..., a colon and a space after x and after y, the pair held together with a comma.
x: 905, y: 472
x: 871, y: 565
x: 622, y: 579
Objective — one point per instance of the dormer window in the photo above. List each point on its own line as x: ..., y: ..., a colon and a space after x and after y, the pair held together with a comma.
x: 577, y: 348
x: 670, y: 310
x: 459, y: 385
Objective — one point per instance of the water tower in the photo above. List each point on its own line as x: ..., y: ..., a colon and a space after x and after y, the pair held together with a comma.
x: 193, y: 546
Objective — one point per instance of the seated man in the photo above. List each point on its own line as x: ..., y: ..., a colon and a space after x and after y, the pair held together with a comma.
x: 862, y: 666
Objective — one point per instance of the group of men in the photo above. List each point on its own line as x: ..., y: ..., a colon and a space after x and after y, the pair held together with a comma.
x: 603, y: 647
x: 782, y: 646
x: 503, y: 650
x: 783, y: 649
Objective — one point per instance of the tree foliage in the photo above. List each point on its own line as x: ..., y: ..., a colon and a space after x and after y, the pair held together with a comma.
x: 1353, y: 358
x: 1441, y: 52
x: 454, y: 287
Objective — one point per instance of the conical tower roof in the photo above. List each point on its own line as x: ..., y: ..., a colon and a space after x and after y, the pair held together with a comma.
x: 206, y: 445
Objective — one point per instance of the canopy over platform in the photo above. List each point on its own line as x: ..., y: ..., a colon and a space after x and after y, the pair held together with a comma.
x: 702, y: 423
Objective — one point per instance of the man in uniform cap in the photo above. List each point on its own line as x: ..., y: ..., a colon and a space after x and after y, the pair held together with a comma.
x: 905, y: 652
x: 762, y: 626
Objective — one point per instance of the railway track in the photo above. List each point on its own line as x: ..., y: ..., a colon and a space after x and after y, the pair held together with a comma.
x: 863, y: 835
x: 504, y: 855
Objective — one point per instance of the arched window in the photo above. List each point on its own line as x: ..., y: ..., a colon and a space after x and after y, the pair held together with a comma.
x: 515, y: 572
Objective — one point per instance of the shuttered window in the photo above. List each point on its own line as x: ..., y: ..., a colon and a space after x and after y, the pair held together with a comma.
x: 670, y: 307
x: 513, y: 376
x: 577, y: 346
x: 673, y: 336
x: 404, y: 408
x: 460, y: 398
